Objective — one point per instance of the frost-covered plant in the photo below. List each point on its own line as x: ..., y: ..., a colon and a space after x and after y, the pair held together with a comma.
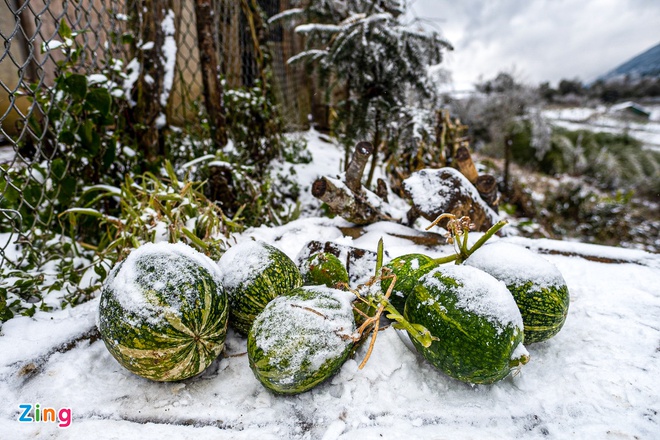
x: 78, y: 126
x: 256, y: 129
x: 79, y: 118
x: 574, y: 209
x: 365, y: 49
x: 147, y: 209
x: 53, y: 272
x: 153, y: 209
x: 609, y: 161
x: 421, y: 138
x: 497, y: 112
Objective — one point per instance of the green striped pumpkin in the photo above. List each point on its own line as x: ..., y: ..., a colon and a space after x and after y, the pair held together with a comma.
x: 408, y: 269
x: 475, y: 320
x: 536, y: 284
x: 163, y: 312
x: 324, y: 269
x: 254, y: 273
x: 301, y: 339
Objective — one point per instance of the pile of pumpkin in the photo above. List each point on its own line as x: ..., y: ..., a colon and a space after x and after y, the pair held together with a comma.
x: 165, y: 309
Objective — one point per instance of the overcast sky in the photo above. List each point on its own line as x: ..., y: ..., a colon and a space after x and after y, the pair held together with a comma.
x: 540, y: 40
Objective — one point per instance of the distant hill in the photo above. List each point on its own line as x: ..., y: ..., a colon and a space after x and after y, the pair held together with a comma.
x: 646, y: 64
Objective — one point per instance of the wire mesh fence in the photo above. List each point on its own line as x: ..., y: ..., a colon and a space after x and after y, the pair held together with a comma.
x: 41, y: 39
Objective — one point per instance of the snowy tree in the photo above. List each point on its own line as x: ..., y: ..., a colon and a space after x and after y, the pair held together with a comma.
x: 364, y: 49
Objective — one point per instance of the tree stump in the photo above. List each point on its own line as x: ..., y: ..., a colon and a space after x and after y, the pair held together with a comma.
x: 438, y: 191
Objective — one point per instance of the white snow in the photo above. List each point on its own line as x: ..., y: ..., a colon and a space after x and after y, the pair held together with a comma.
x: 317, y: 27
x: 169, y: 50
x: 106, y: 188
x: 51, y: 45
x: 289, y: 13
x: 96, y: 78
x: 599, y: 119
x: 133, y: 73
x: 597, y: 376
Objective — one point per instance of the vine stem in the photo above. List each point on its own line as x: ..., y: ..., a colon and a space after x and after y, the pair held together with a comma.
x: 370, y: 324
x: 489, y: 233
x: 382, y: 302
x: 458, y: 229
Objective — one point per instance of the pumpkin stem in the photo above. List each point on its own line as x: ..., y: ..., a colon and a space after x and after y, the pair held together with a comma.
x: 457, y: 234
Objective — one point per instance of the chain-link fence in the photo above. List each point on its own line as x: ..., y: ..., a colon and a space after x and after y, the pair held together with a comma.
x: 43, y: 38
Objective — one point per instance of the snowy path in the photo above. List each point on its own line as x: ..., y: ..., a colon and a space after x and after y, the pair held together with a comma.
x: 598, y: 378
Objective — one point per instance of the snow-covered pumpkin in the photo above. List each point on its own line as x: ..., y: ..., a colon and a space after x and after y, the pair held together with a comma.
x: 163, y: 312
x: 475, y: 323
x: 254, y: 273
x: 536, y: 284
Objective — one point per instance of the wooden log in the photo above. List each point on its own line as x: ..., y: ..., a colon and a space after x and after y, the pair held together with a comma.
x: 350, y: 199
x: 342, y: 201
x: 466, y: 165
x: 487, y: 187
x: 356, y: 166
x: 220, y: 186
x: 412, y: 215
x: 149, y: 85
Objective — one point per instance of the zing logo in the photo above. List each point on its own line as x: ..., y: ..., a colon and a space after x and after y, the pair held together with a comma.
x: 61, y: 417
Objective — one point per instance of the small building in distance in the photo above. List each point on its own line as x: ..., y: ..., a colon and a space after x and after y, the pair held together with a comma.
x: 630, y: 109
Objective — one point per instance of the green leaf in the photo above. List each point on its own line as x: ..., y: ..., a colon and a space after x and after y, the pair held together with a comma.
x: 100, y: 100
x: 29, y: 312
x: 76, y: 85
x: 110, y: 155
x: 95, y: 145
x: 66, y: 137
x: 64, y: 30
x: 127, y: 39
x: 67, y: 189
x: 379, y: 256
x: 100, y: 271
x: 32, y: 194
x: 58, y: 167
x: 85, y: 132
x: 85, y: 211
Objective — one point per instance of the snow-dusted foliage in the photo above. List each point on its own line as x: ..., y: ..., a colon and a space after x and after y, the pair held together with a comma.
x: 365, y: 49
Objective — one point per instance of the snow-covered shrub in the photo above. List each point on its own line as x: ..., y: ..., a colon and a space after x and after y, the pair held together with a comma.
x: 573, y: 209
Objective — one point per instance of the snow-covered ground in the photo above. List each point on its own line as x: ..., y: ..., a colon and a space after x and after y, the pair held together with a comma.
x: 602, y: 119
x: 598, y: 378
